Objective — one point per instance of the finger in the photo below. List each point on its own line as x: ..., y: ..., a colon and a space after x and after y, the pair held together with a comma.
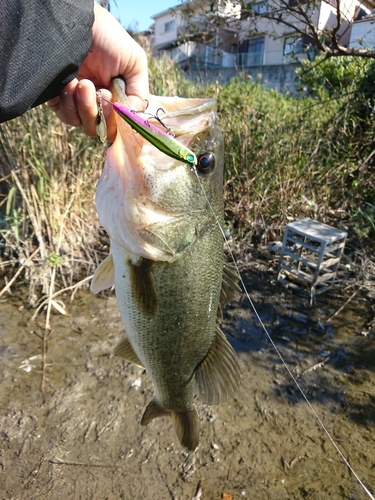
x: 54, y: 103
x: 67, y: 110
x: 136, y: 78
x: 87, y: 108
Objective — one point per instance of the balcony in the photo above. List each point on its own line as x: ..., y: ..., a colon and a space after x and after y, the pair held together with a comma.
x: 248, y: 59
x: 199, y: 56
x: 271, y: 58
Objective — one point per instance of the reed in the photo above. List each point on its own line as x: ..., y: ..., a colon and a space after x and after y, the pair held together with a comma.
x: 48, y: 174
x: 286, y: 157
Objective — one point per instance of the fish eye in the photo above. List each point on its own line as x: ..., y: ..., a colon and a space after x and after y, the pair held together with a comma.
x: 206, y: 163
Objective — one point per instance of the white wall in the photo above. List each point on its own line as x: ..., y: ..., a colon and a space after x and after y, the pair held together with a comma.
x: 363, y: 34
x: 161, y: 36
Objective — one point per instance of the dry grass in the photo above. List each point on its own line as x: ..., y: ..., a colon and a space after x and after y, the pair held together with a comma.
x: 283, y: 160
x: 48, y: 174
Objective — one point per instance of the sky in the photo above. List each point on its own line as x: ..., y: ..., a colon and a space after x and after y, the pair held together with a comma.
x: 136, y: 13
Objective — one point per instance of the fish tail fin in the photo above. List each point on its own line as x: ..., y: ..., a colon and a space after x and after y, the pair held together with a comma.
x: 186, y: 423
x: 154, y: 410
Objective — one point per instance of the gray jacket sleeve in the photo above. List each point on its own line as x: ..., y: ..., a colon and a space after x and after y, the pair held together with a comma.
x: 42, y: 46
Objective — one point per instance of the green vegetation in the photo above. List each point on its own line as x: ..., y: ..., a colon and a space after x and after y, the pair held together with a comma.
x: 286, y: 157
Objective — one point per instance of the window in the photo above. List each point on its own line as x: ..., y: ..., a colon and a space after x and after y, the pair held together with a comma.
x: 260, y: 7
x: 359, y: 13
x: 251, y: 52
x: 255, y: 52
x: 169, y: 26
x: 298, y: 44
x: 293, y: 45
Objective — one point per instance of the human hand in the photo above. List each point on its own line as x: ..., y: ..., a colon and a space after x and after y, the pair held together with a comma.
x: 113, y: 52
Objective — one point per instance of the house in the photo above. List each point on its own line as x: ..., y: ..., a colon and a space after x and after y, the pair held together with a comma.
x: 262, y: 48
x: 172, y: 36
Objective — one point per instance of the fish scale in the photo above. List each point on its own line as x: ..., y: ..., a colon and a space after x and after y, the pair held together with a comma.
x: 167, y: 261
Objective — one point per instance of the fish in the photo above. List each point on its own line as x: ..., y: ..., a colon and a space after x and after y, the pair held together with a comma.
x: 164, y: 220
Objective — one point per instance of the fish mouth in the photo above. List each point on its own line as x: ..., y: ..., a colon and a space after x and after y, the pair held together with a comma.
x: 193, y: 119
x: 181, y: 116
x: 195, y: 114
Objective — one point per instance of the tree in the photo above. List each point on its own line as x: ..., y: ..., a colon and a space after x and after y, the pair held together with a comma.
x: 328, y: 34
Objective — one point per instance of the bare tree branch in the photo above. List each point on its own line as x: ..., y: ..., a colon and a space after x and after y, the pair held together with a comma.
x: 297, y: 16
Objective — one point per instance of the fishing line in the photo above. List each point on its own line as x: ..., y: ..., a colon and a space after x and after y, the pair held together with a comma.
x: 277, y: 350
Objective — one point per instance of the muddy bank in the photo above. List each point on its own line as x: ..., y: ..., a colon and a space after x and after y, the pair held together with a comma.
x: 82, y: 439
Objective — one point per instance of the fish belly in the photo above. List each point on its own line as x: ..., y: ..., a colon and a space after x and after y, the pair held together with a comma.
x: 169, y: 312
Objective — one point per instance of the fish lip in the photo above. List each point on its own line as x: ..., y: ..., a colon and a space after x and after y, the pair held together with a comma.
x: 204, y: 106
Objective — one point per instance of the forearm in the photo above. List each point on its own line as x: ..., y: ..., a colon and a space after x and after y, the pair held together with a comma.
x: 43, y: 43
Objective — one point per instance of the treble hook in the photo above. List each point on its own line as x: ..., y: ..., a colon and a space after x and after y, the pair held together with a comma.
x: 155, y: 117
x: 158, y: 119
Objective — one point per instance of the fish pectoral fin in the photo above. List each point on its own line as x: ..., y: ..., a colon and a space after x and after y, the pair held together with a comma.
x: 218, y: 375
x: 125, y: 350
x: 186, y: 423
x: 104, y: 276
x: 229, y: 285
x: 143, y: 285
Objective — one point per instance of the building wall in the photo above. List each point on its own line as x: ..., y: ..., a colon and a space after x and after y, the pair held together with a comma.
x: 162, y: 37
x: 279, y: 77
x: 327, y: 18
x: 363, y: 34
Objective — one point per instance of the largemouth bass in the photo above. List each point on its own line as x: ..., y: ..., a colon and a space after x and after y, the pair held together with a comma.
x: 167, y: 260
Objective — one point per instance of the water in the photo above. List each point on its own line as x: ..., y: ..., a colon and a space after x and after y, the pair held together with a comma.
x: 82, y: 438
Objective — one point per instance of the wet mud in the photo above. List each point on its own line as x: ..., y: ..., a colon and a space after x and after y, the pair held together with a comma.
x: 82, y: 438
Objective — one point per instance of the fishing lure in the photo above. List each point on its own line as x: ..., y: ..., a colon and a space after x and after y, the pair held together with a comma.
x: 160, y: 139
x: 164, y: 141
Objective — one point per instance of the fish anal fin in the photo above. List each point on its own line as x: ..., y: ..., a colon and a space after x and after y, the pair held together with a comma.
x: 153, y: 410
x: 218, y: 375
x: 143, y: 285
x: 186, y: 423
x: 229, y: 285
x: 125, y: 350
x: 104, y: 276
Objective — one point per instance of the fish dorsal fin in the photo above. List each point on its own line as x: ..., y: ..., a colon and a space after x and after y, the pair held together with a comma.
x: 104, y: 276
x: 229, y: 285
x: 125, y: 350
x: 186, y: 423
x: 143, y: 285
x: 218, y: 374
